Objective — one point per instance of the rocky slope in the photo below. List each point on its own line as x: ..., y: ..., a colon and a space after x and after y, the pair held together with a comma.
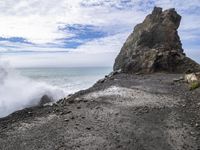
x: 155, y: 46
x: 123, y: 111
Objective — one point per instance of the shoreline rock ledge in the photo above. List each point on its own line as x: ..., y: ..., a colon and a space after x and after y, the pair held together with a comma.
x: 155, y: 46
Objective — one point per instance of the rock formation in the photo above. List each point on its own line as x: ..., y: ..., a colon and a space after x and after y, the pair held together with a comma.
x: 155, y: 46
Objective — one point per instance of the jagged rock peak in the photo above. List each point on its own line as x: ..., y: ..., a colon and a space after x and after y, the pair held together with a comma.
x: 154, y: 46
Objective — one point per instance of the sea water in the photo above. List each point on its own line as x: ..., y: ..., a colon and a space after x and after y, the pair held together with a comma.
x: 68, y: 79
x: 23, y: 87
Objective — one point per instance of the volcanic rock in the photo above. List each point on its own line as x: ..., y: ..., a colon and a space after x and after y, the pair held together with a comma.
x: 155, y: 46
x: 45, y: 99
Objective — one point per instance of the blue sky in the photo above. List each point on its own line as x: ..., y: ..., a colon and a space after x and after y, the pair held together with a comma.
x: 66, y: 33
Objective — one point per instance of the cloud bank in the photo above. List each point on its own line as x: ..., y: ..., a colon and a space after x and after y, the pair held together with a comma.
x: 82, y: 32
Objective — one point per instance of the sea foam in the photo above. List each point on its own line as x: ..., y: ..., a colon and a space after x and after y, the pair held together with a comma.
x: 18, y: 92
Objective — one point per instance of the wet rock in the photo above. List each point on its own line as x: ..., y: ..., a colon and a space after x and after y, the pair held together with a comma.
x: 155, y: 46
x: 45, y: 99
x: 101, y: 80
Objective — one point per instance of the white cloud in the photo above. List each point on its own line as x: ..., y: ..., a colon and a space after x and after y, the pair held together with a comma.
x: 77, y: 59
x: 38, y: 22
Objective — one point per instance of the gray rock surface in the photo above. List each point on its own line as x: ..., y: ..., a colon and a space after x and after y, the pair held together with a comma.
x: 154, y: 46
x: 130, y: 112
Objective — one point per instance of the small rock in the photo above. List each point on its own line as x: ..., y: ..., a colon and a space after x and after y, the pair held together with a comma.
x: 101, y: 80
x: 192, y: 133
x: 112, y: 78
x: 68, y: 112
x: 66, y: 120
x: 184, y: 105
x: 138, y: 73
x: 61, y: 113
x: 69, y: 95
x: 85, y: 101
x: 178, y: 79
x: 192, y: 77
x: 88, y: 128
x: 71, y: 101
x: 79, y: 107
x: 116, y: 114
x: 72, y: 117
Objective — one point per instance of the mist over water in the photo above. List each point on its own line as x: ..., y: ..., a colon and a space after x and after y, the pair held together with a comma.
x: 24, y: 87
x: 18, y: 92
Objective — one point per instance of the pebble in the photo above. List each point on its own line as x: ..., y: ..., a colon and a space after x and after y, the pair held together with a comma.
x: 71, y: 101
x: 192, y: 133
x: 68, y: 112
x: 61, y: 113
x: 72, y: 117
x: 88, y: 128
x: 85, y: 101
x: 79, y: 107
x: 66, y: 120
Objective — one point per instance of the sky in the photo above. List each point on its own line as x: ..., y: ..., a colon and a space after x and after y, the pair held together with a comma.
x: 80, y: 33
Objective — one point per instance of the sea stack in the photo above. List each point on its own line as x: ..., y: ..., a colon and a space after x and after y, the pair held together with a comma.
x: 155, y: 46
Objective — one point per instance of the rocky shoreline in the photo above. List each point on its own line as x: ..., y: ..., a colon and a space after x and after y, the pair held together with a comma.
x: 124, y: 112
x: 142, y: 105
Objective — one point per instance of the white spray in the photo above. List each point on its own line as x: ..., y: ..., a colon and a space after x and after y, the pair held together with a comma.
x: 18, y: 92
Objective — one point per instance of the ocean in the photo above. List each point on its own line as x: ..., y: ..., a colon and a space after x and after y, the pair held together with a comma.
x: 23, y: 87
x: 69, y: 79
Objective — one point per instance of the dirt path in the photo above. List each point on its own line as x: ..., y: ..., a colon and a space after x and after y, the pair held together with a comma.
x: 135, y: 112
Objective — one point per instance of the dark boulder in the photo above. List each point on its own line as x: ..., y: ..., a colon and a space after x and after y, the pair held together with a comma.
x: 45, y: 99
x: 155, y: 46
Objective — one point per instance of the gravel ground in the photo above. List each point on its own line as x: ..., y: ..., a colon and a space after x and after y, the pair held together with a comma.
x: 136, y: 112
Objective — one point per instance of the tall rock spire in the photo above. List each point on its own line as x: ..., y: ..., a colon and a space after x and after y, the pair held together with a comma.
x: 154, y: 46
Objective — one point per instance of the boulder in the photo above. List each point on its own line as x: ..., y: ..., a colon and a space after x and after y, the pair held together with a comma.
x: 192, y: 77
x: 155, y: 46
x: 45, y: 99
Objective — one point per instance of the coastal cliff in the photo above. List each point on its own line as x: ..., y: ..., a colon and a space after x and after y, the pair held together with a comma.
x: 139, y: 106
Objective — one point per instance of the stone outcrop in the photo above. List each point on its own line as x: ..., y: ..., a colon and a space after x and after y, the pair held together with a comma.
x: 155, y: 46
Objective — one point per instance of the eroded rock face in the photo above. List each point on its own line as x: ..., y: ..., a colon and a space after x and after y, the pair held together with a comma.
x: 154, y: 46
